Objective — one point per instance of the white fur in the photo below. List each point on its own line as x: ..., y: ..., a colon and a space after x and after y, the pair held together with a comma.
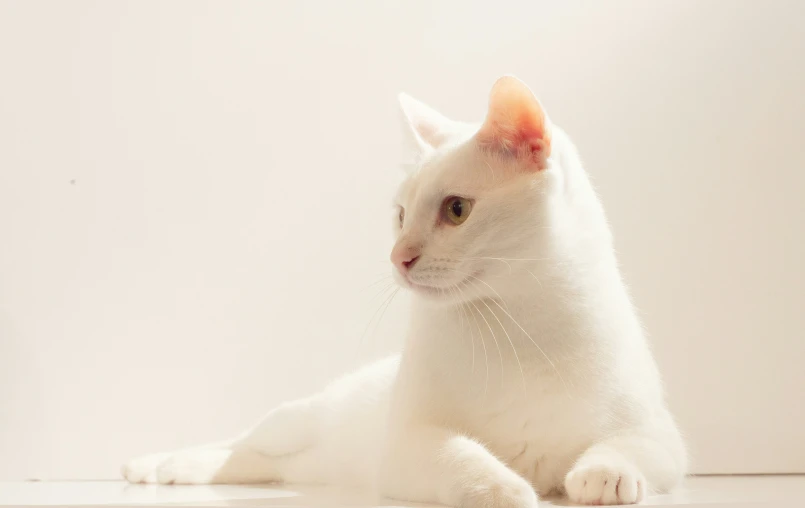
x: 535, y: 375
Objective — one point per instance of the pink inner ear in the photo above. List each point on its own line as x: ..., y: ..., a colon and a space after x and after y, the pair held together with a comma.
x: 523, y: 139
x: 516, y: 123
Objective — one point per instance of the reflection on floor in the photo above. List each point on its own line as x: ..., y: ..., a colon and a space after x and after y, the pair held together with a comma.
x: 709, y: 491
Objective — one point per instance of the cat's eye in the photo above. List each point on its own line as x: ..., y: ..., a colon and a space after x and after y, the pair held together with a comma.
x: 402, y: 216
x: 457, y: 209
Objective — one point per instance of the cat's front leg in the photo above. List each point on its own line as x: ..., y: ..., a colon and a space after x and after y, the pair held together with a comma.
x: 434, y: 465
x: 256, y: 456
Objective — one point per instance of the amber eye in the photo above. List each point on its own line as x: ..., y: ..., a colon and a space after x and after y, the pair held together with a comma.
x: 402, y: 216
x: 457, y: 209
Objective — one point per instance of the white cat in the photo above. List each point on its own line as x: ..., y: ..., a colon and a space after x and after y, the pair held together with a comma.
x: 525, y: 367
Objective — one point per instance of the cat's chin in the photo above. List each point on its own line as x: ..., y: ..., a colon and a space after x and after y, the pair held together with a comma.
x: 429, y: 292
x: 449, y: 294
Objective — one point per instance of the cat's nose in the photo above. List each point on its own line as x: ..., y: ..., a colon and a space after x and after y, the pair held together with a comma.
x: 404, y: 258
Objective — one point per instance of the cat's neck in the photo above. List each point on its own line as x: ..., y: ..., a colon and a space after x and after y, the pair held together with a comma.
x: 554, y: 306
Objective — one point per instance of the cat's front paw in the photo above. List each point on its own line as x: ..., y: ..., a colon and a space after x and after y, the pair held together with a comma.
x: 187, y: 467
x: 511, y: 493
x: 143, y: 469
x: 605, y: 484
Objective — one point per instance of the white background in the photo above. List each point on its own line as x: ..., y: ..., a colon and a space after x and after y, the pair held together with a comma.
x: 194, y: 199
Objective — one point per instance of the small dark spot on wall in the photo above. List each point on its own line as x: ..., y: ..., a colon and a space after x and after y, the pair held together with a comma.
x: 72, y: 182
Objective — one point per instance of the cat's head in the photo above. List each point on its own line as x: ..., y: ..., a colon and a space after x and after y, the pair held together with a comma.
x: 476, y: 196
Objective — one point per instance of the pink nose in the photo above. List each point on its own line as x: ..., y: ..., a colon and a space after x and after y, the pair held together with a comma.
x: 404, y: 257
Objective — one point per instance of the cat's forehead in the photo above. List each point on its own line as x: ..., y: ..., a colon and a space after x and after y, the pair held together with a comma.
x: 442, y: 173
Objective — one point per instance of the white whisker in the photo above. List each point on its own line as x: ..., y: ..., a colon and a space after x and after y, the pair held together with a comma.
x: 497, y: 345
x: 375, y: 283
x: 516, y: 356
x: 536, y: 278
x: 388, y: 304
x: 462, y: 315
x: 472, y: 337
x: 547, y: 358
x: 483, y: 344
x: 533, y: 342
x: 510, y: 259
x: 483, y: 282
x: 369, y: 324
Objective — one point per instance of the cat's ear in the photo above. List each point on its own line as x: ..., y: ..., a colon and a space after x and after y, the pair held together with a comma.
x: 516, y: 124
x: 427, y: 127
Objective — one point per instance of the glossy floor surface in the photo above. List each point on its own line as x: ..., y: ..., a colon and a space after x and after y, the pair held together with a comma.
x: 712, y: 491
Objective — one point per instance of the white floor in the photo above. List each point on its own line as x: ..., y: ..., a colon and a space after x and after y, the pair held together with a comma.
x: 712, y: 491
